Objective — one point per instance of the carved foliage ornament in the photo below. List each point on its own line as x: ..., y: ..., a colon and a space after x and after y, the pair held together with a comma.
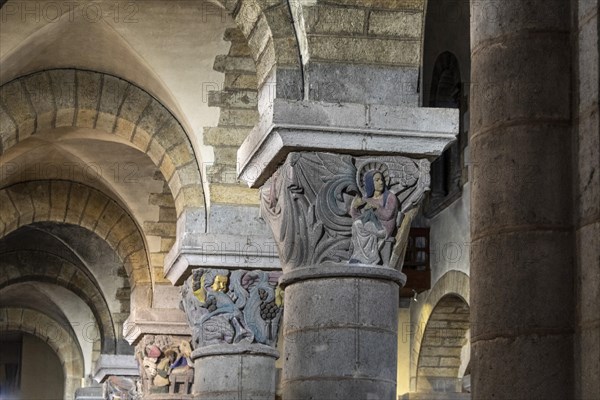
x: 325, y: 207
x: 232, y: 307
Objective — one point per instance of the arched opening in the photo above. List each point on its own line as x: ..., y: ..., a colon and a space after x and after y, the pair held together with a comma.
x: 444, y: 354
x: 29, y: 368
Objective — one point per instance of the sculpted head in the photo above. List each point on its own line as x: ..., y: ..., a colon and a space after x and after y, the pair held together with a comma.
x: 220, y: 283
x: 374, y: 182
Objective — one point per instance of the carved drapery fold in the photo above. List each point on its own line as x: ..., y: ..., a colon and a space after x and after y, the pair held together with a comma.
x: 319, y: 208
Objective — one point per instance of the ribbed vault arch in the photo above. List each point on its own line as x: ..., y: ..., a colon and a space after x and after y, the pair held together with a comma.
x: 73, y: 98
x: 14, y: 319
x: 77, y: 204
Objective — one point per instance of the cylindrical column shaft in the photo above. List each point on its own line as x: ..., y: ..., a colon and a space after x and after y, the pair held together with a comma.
x: 234, y: 372
x: 521, y: 219
x: 340, y: 334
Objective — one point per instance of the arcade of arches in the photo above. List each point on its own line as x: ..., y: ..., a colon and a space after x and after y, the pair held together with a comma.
x: 290, y: 199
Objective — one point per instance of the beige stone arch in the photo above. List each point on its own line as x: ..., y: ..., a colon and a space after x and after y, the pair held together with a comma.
x: 25, y: 266
x: 270, y: 34
x: 452, y: 283
x: 78, y: 204
x: 84, y: 99
x: 55, y: 335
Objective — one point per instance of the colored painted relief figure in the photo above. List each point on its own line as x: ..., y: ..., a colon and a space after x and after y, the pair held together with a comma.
x: 374, y: 223
x: 232, y: 307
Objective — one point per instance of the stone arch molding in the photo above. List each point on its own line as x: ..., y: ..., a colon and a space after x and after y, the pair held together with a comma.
x: 17, y: 267
x: 77, y: 204
x: 272, y: 36
x: 85, y: 99
x: 55, y: 335
x: 453, y: 283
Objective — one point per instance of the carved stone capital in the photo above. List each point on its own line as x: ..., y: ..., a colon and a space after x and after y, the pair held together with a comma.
x: 326, y: 208
x: 165, y: 365
x: 232, y: 307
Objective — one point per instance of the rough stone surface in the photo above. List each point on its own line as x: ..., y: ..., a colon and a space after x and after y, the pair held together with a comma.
x: 245, y: 375
x: 340, y: 339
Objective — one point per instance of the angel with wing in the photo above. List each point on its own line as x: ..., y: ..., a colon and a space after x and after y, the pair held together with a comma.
x: 374, y: 217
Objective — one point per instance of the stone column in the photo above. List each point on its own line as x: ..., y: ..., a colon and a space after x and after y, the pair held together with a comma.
x: 340, y: 219
x: 335, y: 219
x: 234, y: 316
x: 521, y: 219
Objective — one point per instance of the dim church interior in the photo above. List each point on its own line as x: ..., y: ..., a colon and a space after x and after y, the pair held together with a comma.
x: 144, y: 140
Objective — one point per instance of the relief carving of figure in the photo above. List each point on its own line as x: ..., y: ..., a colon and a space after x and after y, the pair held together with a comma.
x: 236, y: 307
x: 374, y: 214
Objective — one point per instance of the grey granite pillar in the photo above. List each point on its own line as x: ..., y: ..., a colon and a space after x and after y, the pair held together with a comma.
x: 339, y: 223
x: 234, y: 316
x: 521, y: 202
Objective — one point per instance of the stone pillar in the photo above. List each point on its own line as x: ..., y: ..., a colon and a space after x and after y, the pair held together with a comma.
x: 340, y: 219
x: 521, y: 219
x: 335, y: 219
x: 234, y: 316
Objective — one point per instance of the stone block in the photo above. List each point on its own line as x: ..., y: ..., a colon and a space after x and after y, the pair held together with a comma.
x: 153, y: 118
x: 365, y: 50
x: 59, y: 199
x: 521, y: 361
x: 233, y: 194
x: 167, y: 214
x: 182, y: 154
x: 402, y: 24
x: 63, y: 86
x: 496, y: 19
x: 228, y: 63
x: 41, y: 95
x: 505, y: 91
x: 510, y: 164
x: 111, y: 214
x: 588, y: 64
x: 239, y: 80
x: 89, y: 88
x: 588, y: 275
x: 132, y: 108
x: 244, y: 99
x: 588, y: 167
x: 113, y: 93
x: 539, y: 261
x: 40, y: 196
x: 160, y: 228
x: 225, y: 136
x: 265, y: 64
x: 8, y: 130
x: 280, y: 20
x: 339, y: 20
x: 287, y: 51
x: 363, y: 84
x: 15, y: 100
x: 260, y: 35
x: 238, y: 118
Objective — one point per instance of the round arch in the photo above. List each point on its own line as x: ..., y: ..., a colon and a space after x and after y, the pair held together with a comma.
x: 85, y: 99
x: 74, y: 203
x: 444, y: 338
x: 454, y: 283
x: 24, y: 266
x: 55, y: 335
